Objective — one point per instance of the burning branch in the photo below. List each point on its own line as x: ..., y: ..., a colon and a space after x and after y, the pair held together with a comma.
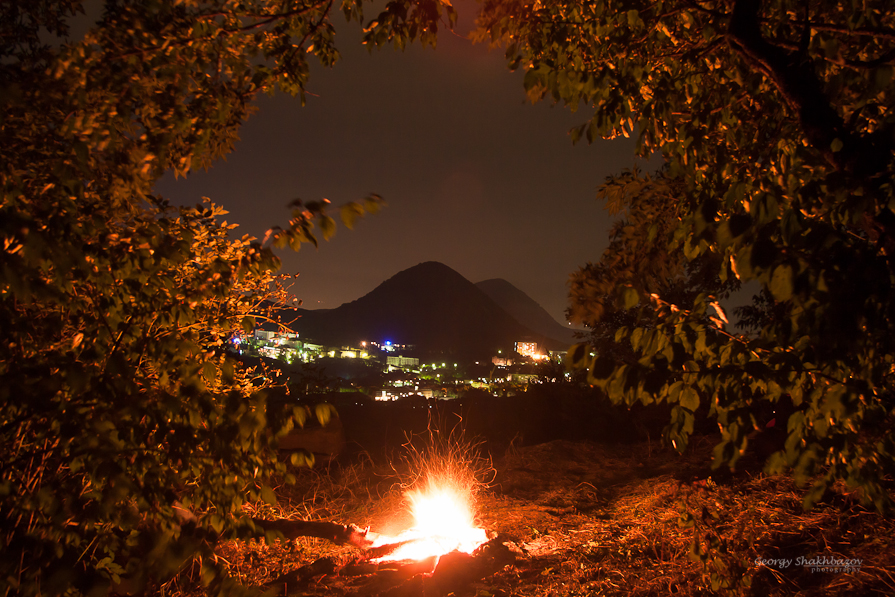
x: 456, y: 570
x: 432, y: 576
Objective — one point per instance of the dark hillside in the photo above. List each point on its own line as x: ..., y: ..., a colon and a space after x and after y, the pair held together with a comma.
x: 430, y: 306
x: 525, y: 310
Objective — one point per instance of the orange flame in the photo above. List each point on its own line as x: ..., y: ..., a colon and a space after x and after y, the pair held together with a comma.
x: 443, y: 522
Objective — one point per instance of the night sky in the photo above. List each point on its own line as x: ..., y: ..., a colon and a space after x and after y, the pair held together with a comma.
x: 473, y: 174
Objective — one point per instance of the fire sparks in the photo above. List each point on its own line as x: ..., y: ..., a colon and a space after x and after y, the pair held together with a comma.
x: 443, y: 522
x: 446, y: 475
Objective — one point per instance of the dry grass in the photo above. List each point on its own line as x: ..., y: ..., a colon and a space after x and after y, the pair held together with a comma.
x: 608, y: 522
x: 597, y: 520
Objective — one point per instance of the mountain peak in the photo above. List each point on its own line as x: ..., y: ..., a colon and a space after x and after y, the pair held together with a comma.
x: 430, y: 306
x: 428, y: 270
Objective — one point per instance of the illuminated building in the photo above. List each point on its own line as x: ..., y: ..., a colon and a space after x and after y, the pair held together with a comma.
x: 401, y: 362
x: 527, y: 349
x: 530, y: 349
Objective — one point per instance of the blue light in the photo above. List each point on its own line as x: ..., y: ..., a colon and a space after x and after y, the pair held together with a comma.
x: 388, y: 342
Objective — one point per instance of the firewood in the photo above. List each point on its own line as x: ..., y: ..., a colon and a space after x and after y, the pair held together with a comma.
x: 298, y: 578
x: 456, y: 570
x: 337, y: 533
x: 392, y: 574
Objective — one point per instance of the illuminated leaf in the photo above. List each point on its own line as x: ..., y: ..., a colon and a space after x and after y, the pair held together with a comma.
x: 268, y: 495
x: 327, y: 227
x: 325, y: 412
x: 302, y: 458
x: 349, y: 213
x: 689, y: 399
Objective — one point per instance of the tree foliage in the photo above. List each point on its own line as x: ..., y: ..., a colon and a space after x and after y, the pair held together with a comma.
x: 119, y: 403
x: 640, y: 257
x: 776, y: 122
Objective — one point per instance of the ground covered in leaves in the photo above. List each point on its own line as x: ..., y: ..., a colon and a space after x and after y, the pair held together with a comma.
x: 589, y: 519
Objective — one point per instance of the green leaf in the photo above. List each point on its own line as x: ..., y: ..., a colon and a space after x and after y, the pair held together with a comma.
x: 302, y: 458
x: 216, y: 522
x: 636, y: 336
x: 601, y: 368
x: 373, y: 203
x: 689, y: 399
x: 814, y: 495
x: 577, y: 356
x: 327, y: 227
x: 630, y: 298
x: 209, y: 371
x: 349, y: 214
x: 790, y: 226
x: 781, y: 285
x: 325, y: 412
x: 268, y: 495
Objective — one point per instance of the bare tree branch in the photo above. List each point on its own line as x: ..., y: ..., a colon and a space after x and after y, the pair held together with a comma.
x: 337, y: 533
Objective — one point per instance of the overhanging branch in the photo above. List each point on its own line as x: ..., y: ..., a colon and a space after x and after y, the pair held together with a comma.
x: 797, y: 83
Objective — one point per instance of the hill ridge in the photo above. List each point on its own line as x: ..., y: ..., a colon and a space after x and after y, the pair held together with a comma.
x: 430, y: 306
x: 525, y: 310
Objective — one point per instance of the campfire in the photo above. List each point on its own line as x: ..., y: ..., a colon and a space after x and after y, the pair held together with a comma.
x: 442, y: 550
x: 443, y: 522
